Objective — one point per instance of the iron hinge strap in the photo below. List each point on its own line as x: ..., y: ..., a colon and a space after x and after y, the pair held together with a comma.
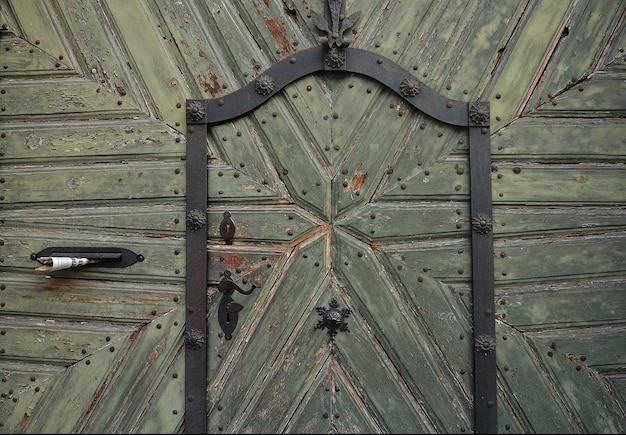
x: 196, y: 269
x: 485, y: 389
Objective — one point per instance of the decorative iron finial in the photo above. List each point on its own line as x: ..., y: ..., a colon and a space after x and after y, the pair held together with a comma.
x: 334, y: 23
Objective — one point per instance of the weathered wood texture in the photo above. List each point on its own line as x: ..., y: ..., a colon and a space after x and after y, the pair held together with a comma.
x: 338, y: 190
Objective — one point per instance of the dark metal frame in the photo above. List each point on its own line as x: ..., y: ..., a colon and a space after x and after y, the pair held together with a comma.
x: 475, y: 116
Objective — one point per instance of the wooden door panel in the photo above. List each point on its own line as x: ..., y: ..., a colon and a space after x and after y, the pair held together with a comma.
x: 93, y: 96
x: 267, y: 372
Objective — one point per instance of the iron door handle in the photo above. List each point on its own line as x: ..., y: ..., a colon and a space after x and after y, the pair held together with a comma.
x: 228, y: 310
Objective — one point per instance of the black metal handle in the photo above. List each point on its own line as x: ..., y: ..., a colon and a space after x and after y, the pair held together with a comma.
x: 85, y: 257
x: 228, y: 310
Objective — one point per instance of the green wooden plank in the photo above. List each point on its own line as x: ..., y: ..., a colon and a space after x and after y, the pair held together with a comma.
x: 104, y: 58
x: 294, y: 159
x: 448, y: 321
x: 447, y: 179
x: 152, y: 220
x: 291, y: 381
x: 527, y: 51
x: 528, y: 388
x: 153, y: 56
x: 61, y: 98
x: 137, y: 380
x: 399, y: 332
x: 448, y: 260
x: 384, y: 397
x: 90, y: 183
x: 588, y: 30
x: 564, y: 258
x: 273, y: 34
x: 259, y: 341
x: 350, y: 415
x: 602, y: 95
x: 247, y: 264
x: 584, y: 392
x: 550, y: 139
x: 191, y: 26
x: 615, y: 59
x: 112, y: 140
x: 59, y: 342
x: 63, y: 409
x: 388, y: 222
x: 23, y: 59
x: 428, y: 143
x: 262, y: 224
x: 366, y: 164
x: 165, y: 411
x: 576, y: 305
x: 231, y: 49
x: 542, y: 221
x: 162, y: 262
x: 25, y: 385
x: 228, y: 184
x: 89, y: 300
x: 558, y: 184
x: 383, y: 403
x: 306, y: 419
x: 39, y: 25
x: 236, y: 144
x: 617, y: 384
x: 598, y: 347
x: 485, y: 27
x: 334, y: 396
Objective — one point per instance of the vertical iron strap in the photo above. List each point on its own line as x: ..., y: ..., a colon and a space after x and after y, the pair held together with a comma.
x: 485, y: 391
x: 196, y: 270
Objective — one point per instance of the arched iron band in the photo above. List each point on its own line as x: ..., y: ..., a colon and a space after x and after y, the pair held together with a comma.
x: 309, y: 61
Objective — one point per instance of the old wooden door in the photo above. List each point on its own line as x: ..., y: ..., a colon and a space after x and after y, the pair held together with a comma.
x: 319, y: 208
x: 338, y: 189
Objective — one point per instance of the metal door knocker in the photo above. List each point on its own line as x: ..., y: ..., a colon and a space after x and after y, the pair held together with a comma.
x: 228, y: 310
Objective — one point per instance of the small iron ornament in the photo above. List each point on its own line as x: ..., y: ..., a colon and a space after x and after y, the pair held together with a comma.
x: 196, y: 219
x: 335, y: 58
x: 410, y: 87
x: 194, y: 339
x: 481, y: 223
x: 333, y: 319
x: 479, y: 113
x: 264, y: 85
x: 485, y: 344
x: 195, y: 111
